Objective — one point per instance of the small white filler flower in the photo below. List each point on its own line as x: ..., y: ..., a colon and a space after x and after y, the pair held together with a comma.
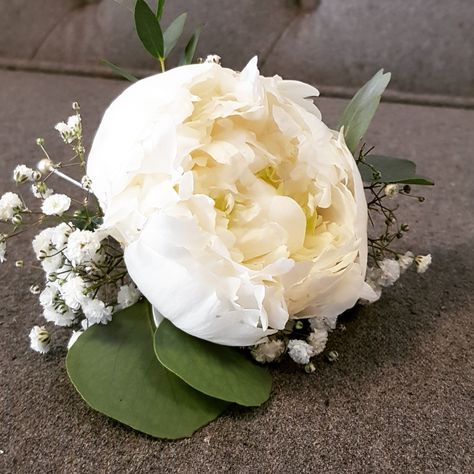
x: 56, y: 204
x: 9, y: 203
x: 82, y: 245
x: 300, y: 351
x: 70, y: 130
x: 268, y: 351
x: 22, y: 173
x: 422, y: 263
x: 3, y: 250
x: 40, y: 339
x: 391, y: 191
x: 405, y: 261
x: 96, y: 312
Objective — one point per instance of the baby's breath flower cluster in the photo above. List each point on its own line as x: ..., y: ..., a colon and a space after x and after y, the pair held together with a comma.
x: 85, y: 276
x: 386, y: 263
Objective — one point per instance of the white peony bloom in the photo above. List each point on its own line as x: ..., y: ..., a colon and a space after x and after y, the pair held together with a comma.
x: 74, y: 337
x: 127, y: 296
x: 318, y: 340
x: 237, y: 206
x: 82, y: 246
x: 40, y: 339
x: 422, y: 263
x: 300, y: 351
x: 59, y: 318
x: 9, y: 203
x: 268, y: 351
x: 96, y: 312
x: 56, y: 204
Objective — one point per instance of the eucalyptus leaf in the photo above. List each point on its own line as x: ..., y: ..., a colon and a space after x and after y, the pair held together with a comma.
x: 190, y: 50
x: 119, y: 71
x: 115, y: 370
x: 390, y: 170
x: 219, y: 371
x: 159, y: 9
x: 148, y: 29
x: 361, y: 109
x: 173, y: 33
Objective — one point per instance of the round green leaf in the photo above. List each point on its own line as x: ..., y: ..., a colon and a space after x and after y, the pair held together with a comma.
x: 115, y: 370
x: 392, y: 170
x: 219, y: 371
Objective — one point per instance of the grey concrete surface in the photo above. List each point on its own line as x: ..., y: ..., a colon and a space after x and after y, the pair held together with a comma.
x: 400, y: 397
x: 428, y: 44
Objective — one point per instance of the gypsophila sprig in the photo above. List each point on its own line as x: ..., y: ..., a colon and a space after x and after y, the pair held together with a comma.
x: 84, y: 272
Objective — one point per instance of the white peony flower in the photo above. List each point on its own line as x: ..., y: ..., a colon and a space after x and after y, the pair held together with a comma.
x: 268, y: 351
x: 9, y: 203
x: 318, y: 339
x: 96, y: 312
x: 56, y: 204
x: 422, y: 263
x: 300, y: 351
x: 40, y: 340
x: 127, y: 296
x: 237, y: 206
x: 82, y: 246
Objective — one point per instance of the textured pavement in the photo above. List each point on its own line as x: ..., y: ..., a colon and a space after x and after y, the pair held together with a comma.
x: 400, y: 397
x: 427, y: 44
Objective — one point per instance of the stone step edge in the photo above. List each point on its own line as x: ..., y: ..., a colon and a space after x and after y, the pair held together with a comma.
x: 102, y: 71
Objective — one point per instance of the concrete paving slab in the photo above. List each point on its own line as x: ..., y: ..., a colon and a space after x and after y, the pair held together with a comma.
x: 427, y: 45
x: 400, y: 397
